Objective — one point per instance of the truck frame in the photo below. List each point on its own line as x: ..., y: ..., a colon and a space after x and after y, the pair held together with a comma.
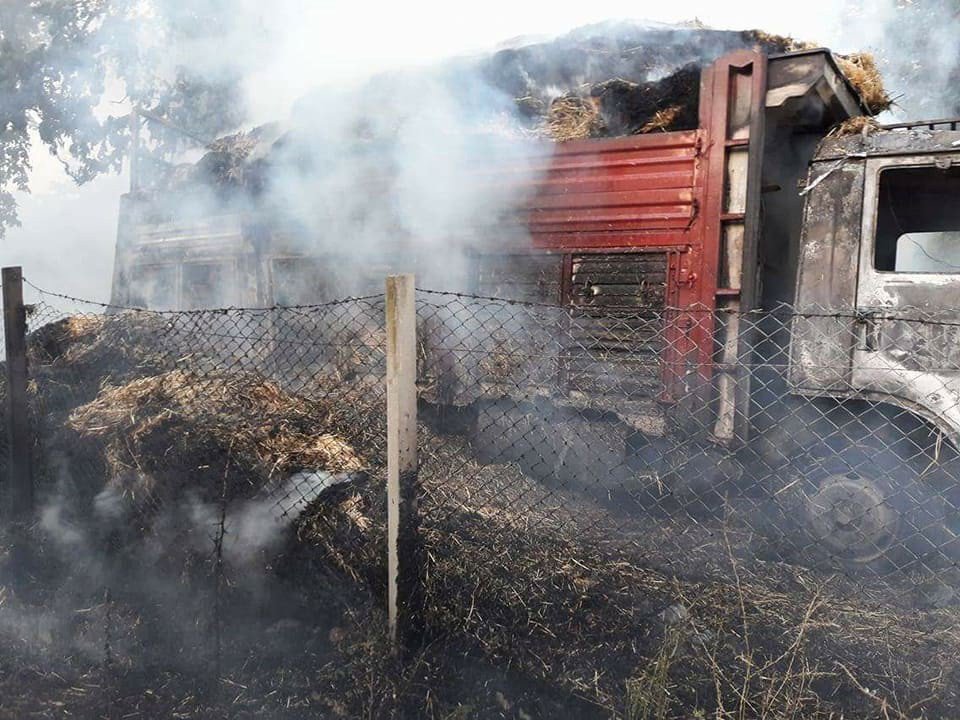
x: 755, y: 210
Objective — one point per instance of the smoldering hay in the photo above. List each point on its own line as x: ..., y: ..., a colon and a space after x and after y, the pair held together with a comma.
x: 605, y: 80
x: 521, y: 573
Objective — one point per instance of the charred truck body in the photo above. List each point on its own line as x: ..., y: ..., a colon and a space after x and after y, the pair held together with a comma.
x: 676, y: 238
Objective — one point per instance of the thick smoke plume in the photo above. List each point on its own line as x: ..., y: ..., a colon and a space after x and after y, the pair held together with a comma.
x: 916, y: 44
x: 355, y: 169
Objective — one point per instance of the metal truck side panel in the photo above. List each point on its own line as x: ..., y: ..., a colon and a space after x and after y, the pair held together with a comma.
x: 822, y: 335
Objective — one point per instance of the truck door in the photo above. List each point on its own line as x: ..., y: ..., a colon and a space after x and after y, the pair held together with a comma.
x: 908, y: 292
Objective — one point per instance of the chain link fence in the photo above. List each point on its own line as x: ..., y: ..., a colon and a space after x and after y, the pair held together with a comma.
x: 209, y: 490
x: 607, y: 510
x: 779, y: 539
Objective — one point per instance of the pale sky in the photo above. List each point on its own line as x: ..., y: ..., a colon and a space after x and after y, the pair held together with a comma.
x: 336, y: 39
x: 68, y: 233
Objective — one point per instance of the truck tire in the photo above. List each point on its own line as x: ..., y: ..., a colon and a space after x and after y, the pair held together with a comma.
x: 865, y: 506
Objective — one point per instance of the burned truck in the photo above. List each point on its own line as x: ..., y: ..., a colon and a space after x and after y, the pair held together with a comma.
x: 757, y: 305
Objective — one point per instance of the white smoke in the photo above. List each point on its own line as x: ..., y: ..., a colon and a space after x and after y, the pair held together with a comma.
x: 287, y: 49
x: 916, y: 45
x: 75, y: 614
x: 257, y: 525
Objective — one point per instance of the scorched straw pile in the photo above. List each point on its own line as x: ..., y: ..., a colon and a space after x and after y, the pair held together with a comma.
x: 164, y: 581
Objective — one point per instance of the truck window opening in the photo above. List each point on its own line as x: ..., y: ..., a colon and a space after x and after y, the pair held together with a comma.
x: 918, y: 220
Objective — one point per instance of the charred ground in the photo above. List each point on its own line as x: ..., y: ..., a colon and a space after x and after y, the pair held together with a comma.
x: 148, y: 590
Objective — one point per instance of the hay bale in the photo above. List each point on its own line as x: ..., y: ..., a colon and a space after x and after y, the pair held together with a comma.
x: 72, y: 358
x: 110, y: 379
x: 163, y: 434
x: 663, y: 120
x: 629, y: 108
x: 776, y: 44
x: 862, y: 72
x: 572, y: 118
x: 302, y: 450
x: 58, y: 339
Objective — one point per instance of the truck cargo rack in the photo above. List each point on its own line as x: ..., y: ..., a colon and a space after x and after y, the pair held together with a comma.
x: 945, y: 124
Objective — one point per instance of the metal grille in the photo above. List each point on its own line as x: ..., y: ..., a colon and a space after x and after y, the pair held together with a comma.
x: 615, y: 338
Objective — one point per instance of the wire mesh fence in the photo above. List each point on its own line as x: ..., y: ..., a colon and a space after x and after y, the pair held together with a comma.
x: 609, y: 505
x: 611, y: 415
x: 766, y: 529
x: 178, y: 458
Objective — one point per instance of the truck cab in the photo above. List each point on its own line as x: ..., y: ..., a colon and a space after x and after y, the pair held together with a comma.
x: 880, y: 251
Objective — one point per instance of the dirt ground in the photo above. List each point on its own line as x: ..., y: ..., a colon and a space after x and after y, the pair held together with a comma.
x: 538, y: 602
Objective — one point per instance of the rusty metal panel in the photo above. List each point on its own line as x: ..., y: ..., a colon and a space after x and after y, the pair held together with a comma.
x: 722, y: 261
x: 624, y: 192
x: 615, y: 333
x: 635, y: 280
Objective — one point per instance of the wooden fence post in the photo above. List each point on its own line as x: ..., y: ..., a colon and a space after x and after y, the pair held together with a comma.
x: 20, y: 475
x: 404, y: 557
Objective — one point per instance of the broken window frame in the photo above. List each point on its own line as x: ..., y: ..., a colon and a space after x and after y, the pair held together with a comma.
x: 138, y: 275
x: 877, y: 288
x: 875, y: 169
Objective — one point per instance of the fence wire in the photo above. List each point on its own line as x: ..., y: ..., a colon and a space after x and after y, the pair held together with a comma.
x: 769, y: 529
x: 203, y: 480
x: 654, y: 513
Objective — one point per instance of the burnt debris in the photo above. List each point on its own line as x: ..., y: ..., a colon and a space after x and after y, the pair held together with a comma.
x: 605, y: 80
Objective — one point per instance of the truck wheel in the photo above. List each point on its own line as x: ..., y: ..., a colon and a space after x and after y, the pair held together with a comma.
x: 866, y: 508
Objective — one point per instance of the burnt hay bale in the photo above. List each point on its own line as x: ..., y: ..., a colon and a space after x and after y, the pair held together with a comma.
x: 163, y: 434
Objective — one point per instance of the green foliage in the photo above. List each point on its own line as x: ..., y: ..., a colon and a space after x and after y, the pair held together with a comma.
x: 56, y: 57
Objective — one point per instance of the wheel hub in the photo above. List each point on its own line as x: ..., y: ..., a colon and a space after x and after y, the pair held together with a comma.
x: 851, y: 517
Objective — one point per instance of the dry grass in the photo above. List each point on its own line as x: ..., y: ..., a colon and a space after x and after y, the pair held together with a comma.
x: 530, y: 577
x: 83, y: 340
x: 663, y: 119
x: 862, y: 71
x: 779, y: 43
x: 305, y: 450
x: 539, y: 579
x: 159, y: 432
x: 648, y: 694
x: 593, y: 620
x: 861, y: 125
x: 572, y: 118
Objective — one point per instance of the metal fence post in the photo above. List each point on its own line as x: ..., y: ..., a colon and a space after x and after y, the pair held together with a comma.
x: 20, y: 478
x: 404, y: 567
